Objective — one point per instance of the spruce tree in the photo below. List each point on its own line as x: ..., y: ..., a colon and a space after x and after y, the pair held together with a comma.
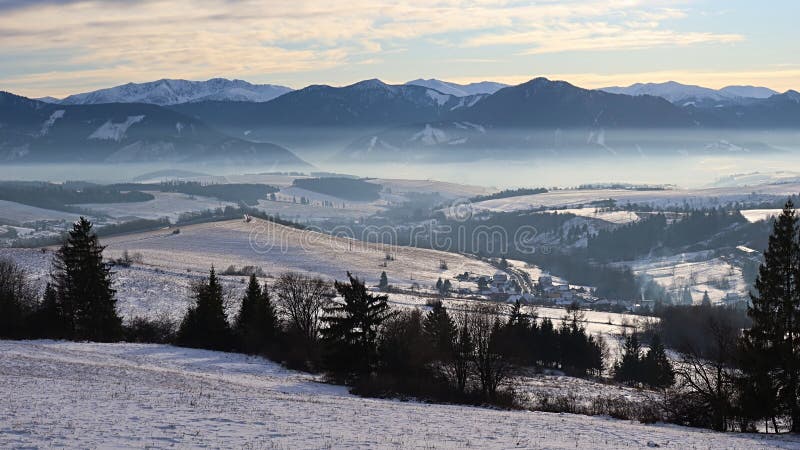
x: 205, y: 324
x: 352, y: 328
x: 440, y: 330
x: 706, y: 302
x: 82, y: 281
x: 772, y: 344
x: 384, y: 282
x: 256, y: 322
x: 656, y: 368
x: 628, y: 370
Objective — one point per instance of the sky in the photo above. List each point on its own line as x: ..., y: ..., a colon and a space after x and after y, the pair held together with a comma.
x: 61, y: 47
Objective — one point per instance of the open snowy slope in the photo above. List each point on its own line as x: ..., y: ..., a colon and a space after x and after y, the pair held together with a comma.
x: 697, y: 198
x: 133, y: 395
x: 165, y: 204
x: 19, y: 213
x: 278, y: 248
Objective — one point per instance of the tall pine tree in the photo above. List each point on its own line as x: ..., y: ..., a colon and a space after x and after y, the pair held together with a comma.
x: 440, y: 330
x: 352, y: 328
x: 256, y: 322
x: 657, y: 370
x: 205, y: 324
x: 772, y: 344
x: 82, y: 282
x: 629, y: 369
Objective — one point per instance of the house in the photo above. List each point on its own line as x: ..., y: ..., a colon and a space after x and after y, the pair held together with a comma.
x: 524, y: 297
x: 500, y: 278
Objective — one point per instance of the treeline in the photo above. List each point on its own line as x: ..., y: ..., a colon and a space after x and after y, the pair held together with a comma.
x: 507, y: 193
x: 247, y: 193
x: 625, y: 186
x: 353, y: 336
x: 61, y: 197
x: 646, y: 236
x: 356, y: 190
x: 232, y: 212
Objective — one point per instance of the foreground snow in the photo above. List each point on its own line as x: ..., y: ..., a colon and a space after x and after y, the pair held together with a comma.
x: 129, y: 395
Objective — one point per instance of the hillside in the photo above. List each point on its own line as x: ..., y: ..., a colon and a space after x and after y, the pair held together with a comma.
x: 134, y: 395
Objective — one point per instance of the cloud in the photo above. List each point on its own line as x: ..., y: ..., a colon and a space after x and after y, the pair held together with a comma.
x: 115, y: 41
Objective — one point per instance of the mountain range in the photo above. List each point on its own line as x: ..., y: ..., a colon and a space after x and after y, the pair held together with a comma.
x: 171, y: 92
x: 686, y: 95
x: 35, y: 131
x: 374, y: 120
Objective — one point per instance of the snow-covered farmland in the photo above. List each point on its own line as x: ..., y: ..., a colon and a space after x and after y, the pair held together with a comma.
x: 171, y: 262
x: 755, y: 215
x: 696, y: 198
x: 278, y: 248
x: 698, y: 271
x: 19, y: 213
x: 615, y: 217
x: 445, y: 189
x: 165, y: 204
x: 133, y: 396
x: 301, y: 213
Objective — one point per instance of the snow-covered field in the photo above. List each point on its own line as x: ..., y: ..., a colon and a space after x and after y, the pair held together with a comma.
x: 755, y: 215
x: 19, y: 213
x: 166, y: 204
x: 133, y: 396
x: 171, y: 262
x: 700, y: 273
x: 445, y: 189
x: 697, y: 198
x: 277, y: 248
x: 615, y: 217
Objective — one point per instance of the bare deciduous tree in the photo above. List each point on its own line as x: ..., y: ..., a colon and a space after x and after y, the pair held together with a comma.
x: 17, y: 298
x: 492, y: 367
x: 301, y: 300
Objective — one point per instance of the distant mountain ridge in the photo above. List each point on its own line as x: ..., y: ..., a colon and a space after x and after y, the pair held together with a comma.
x: 173, y: 91
x: 34, y: 131
x: 459, y: 90
x: 375, y: 120
x: 684, y: 94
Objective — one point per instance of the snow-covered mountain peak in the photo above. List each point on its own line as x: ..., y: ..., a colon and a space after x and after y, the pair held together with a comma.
x: 174, y: 91
x: 749, y: 91
x: 671, y: 91
x: 685, y: 94
x: 458, y: 90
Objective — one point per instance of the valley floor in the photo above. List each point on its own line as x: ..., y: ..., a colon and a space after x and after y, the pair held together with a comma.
x: 132, y: 395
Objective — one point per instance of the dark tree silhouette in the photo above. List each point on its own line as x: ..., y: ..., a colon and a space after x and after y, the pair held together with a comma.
x: 256, y: 322
x: 17, y: 300
x: 440, y: 330
x: 205, y: 324
x: 772, y: 344
x: 352, y: 328
x: 82, y: 282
